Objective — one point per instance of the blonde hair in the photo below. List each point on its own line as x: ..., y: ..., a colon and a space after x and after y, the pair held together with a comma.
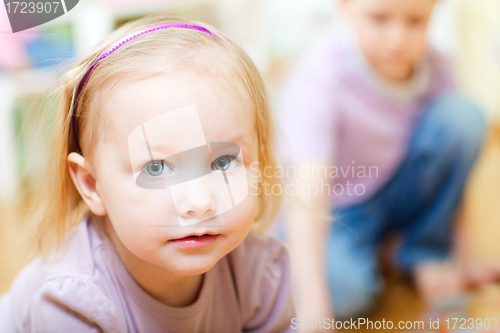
x: 58, y: 207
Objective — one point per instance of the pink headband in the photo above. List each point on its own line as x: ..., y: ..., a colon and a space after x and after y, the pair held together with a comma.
x: 110, y: 50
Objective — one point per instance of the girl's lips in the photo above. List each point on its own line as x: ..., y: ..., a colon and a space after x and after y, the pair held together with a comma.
x: 192, y: 242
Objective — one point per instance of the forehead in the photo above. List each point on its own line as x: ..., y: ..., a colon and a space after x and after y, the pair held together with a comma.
x: 132, y: 104
x: 407, y: 7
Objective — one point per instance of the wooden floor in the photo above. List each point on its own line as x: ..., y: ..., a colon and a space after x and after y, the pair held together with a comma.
x: 399, y: 301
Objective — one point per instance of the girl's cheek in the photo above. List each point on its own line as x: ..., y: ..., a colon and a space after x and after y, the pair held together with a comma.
x: 152, y: 206
x: 243, y: 214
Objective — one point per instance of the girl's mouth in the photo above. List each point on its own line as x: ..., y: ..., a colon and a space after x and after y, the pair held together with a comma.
x: 192, y: 242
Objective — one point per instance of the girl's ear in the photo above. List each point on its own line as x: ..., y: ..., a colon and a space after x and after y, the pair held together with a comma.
x: 85, y: 183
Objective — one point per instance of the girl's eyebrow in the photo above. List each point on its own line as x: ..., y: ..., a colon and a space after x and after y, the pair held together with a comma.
x: 142, y: 145
x: 163, y: 147
x: 160, y: 151
x: 239, y: 138
x: 147, y: 141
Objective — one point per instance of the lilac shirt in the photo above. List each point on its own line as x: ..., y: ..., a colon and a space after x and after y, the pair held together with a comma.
x: 90, y: 290
x: 335, y: 107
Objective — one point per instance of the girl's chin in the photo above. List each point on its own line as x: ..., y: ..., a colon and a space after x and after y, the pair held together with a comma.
x: 196, y: 267
x: 396, y: 74
x: 192, y: 272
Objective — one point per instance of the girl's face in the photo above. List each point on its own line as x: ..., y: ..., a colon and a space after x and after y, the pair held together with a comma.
x: 392, y: 33
x: 158, y: 132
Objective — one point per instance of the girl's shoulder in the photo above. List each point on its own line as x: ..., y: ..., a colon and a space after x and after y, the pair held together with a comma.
x: 69, y: 288
x: 261, y: 273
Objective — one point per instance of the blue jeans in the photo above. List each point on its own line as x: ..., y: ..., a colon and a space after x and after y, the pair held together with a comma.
x: 420, y: 201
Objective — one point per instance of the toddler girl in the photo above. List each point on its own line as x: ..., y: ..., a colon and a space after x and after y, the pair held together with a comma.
x: 153, y: 138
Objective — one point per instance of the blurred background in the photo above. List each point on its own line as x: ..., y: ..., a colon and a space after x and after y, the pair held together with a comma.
x: 274, y: 33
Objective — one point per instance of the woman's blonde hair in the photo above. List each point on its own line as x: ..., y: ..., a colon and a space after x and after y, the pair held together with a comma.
x: 58, y: 207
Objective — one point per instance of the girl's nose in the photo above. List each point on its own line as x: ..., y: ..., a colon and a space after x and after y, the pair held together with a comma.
x: 197, y: 200
x: 398, y: 36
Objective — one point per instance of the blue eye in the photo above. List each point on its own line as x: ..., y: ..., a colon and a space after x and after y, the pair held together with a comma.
x: 223, y: 163
x: 156, y: 168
